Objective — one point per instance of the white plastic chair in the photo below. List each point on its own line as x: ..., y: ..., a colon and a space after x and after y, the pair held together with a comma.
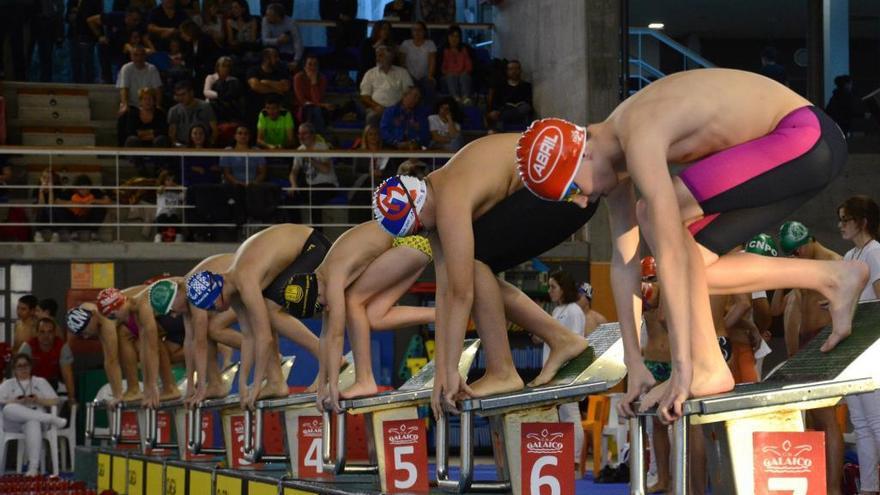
x: 616, y: 429
x: 50, y: 435
x: 68, y: 434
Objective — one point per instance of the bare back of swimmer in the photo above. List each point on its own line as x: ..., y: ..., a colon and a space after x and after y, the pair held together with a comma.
x: 753, y: 152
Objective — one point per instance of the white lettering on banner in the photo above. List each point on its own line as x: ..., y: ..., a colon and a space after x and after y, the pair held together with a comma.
x: 400, y: 465
x: 549, y: 481
x: 313, y: 459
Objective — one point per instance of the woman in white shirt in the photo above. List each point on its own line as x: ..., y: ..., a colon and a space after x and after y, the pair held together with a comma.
x: 564, y: 294
x: 859, y: 222
x: 444, y: 126
x: 24, y: 398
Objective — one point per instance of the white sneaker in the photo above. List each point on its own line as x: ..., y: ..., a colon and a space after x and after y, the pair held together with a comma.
x: 38, y: 237
x: 157, y: 238
x: 55, y: 237
x: 59, y: 422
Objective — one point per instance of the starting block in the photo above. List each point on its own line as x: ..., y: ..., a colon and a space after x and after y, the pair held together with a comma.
x: 302, y: 427
x: 122, y: 428
x: 399, y: 409
x: 759, y: 427
x: 233, y: 421
x: 597, y: 369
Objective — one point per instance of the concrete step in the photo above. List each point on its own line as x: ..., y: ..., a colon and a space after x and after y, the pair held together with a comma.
x: 53, y: 97
x: 58, y: 136
x: 62, y: 115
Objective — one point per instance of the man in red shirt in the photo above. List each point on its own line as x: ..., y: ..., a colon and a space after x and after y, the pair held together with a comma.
x: 52, y: 358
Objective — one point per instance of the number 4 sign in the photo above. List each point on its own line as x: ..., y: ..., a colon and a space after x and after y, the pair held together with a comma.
x: 547, y: 453
x: 406, y: 456
x: 308, y: 434
x: 789, y: 463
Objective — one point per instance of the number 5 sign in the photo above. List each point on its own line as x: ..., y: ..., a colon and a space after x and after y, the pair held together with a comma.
x: 406, y: 456
x: 547, y: 453
x: 789, y: 463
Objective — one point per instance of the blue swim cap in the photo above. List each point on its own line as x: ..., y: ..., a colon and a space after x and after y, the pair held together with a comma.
x: 203, y: 289
x: 397, y: 203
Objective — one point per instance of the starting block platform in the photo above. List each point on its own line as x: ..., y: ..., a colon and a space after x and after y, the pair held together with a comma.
x: 748, y: 457
x: 597, y: 369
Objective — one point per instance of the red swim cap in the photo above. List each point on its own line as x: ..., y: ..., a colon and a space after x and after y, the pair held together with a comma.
x: 109, y: 300
x: 548, y: 154
x: 649, y: 267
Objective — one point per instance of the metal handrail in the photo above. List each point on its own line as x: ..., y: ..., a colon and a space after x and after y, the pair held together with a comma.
x: 671, y: 43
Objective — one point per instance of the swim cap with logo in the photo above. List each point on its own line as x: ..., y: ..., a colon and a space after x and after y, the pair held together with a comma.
x: 301, y: 295
x: 762, y: 244
x: 203, y: 289
x: 78, y: 319
x: 548, y: 155
x: 793, y: 235
x: 397, y: 203
x: 586, y: 289
x: 162, y: 294
x: 109, y: 300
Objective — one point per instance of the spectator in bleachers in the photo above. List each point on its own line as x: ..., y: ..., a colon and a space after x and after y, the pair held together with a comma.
x: 843, y: 104
x: 46, y: 29
x: 419, y: 56
x: 52, y: 358
x: 317, y: 171
x: 136, y: 75
x: 189, y: 7
x: 241, y: 28
x: 239, y: 169
x: 309, y: 86
x: 144, y: 6
x: 224, y: 92
x: 189, y: 112
x: 383, y: 85
x: 164, y: 22
x: 269, y: 78
x: 47, y: 308
x: 413, y: 167
x: 169, y: 200
x: 145, y: 126
x: 25, y: 327
x: 510, y: 102
x: 437, y: 11
x: 371, y: 176
x: 405, y: 125
x: 286, y: 6
x: 200, y: 49
x: 210, y: 20
x: 348, y: 32
x: 82, y: 39
x: 379, y: 36
x: 200, y: 169
x: 114, y: 30
x: 84, y: 206
x: 457, y: 66
x: 445, y: 126
x: 275, y: 125
x: 279, y: 31
x: 398, y: 10
x: 45, y: 196
x: 136, y: 38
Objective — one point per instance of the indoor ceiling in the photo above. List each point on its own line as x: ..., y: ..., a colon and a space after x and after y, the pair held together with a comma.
x: 746, y: 18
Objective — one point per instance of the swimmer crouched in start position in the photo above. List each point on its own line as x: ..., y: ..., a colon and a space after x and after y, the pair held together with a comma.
x: 753, y: 151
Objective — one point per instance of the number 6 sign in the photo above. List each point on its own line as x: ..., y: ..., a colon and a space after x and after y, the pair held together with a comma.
x: 789, y: 463
x: 547, y: 453
x: 406, y: 456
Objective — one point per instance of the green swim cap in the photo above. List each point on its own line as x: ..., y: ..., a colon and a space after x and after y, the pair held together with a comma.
x: 162, y: 294
x: 762, y: 244
x: 793, y: 235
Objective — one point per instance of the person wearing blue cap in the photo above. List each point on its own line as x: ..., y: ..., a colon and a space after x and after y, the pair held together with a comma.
x: 271, y: 286
x: 120, y: 357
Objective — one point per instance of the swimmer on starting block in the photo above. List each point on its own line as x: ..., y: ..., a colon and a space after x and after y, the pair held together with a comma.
x: 203, y: 330
x: 753, y: 152
x: 131, y: 308
x: 269, y: 286
x: 481, y: 221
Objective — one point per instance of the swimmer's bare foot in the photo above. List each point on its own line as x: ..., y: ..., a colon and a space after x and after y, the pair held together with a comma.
x: 850, y: 279
x: 131, y: 395
x: 360, y: 389
x: 273, y: 390
x: 659, y: 487
x: 704, y: 383
x: 169, y: 394
x: 216, y: 390
x: 492, y: 384
x: 568, y: 348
